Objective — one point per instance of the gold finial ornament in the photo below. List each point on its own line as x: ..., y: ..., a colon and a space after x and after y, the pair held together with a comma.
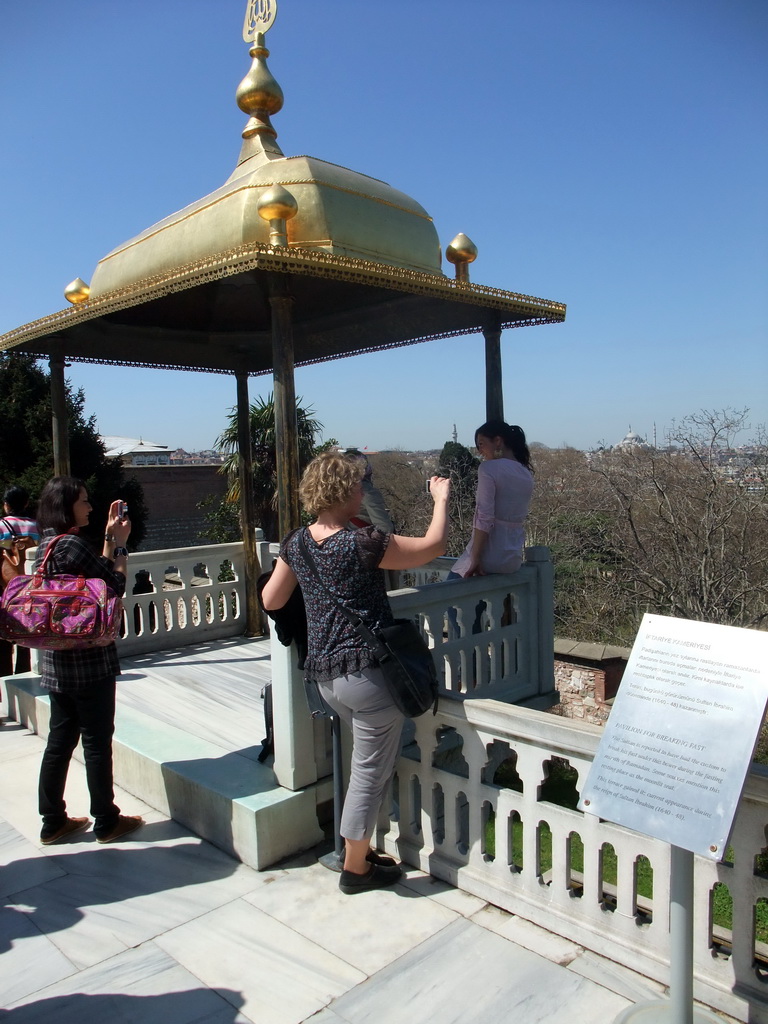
x: 77, y: 291
x: 277, y: 206
x: 258, y: 94
x: 461, y: 252
x: 259, y: 18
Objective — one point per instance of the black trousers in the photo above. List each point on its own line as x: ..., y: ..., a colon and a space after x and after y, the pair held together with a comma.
x: 89, y: 714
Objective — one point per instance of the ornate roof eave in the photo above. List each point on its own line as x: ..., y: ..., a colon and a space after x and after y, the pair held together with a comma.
x: 512, y: 310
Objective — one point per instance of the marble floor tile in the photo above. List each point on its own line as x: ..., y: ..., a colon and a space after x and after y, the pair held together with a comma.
x: 17, y: 741
x: 111, y: 898
x: 140, y: 986
x: 531, y: 936
x: 369, y: 930
x: 214, y: 689
x: 29, y: 960
x: 228, y: 1015
x: 283, y: 977
x: 617, y: 978
x: 463, y: 903
x: 163, y: 928
x: 22, y: 864
x: 20, y: 800
x: 467, y: 975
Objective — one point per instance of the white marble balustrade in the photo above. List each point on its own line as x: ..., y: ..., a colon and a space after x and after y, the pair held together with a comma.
x: 511, y: 657
x: 445, y: 797
x: 185, y: 596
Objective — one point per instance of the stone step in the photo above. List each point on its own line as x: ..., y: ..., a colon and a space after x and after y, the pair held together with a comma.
x: 225, y: 797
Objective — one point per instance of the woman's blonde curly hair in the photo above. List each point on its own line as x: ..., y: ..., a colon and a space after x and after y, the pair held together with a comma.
x: 329, y: 480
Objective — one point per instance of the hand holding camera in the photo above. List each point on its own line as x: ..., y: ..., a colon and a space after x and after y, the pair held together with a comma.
x: 439, y: 487
x: 118, y: 523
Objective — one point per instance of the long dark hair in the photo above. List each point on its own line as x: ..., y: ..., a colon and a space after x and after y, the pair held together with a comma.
x: 55, y: 510
x: 512, y: 436
x: 17, y: 499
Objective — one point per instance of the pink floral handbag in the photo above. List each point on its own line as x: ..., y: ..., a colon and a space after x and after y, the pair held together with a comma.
x: 59, y: 612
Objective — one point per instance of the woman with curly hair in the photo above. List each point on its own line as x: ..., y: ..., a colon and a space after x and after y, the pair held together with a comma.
x: 350, y: 563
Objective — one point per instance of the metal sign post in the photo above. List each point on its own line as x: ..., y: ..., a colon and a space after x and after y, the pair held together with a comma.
x: 679, y: 1008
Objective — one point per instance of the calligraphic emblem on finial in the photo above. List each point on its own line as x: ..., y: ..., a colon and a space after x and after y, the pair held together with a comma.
x: 259, y: 17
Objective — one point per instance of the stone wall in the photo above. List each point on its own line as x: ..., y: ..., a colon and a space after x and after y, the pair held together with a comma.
x: 172, y: 494
x: 587, y: 677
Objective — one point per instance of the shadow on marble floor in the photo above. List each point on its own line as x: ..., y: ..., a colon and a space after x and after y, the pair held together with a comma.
x: 101, y: 876
x: 200, y: 1005
x: 253, y: 649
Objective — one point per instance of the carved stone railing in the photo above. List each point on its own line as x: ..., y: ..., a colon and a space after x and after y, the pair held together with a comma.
x: 473, y: 807
x: 492, y: 635
x: 180, y: 596
x: 183, y: 596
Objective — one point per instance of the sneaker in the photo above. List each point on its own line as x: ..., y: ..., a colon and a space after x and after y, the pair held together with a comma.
x: 124, y: 825
x: 375, y: 878
x: 69, y: 828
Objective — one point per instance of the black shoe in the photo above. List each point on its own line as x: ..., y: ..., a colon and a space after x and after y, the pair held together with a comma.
x: 373, y: 857
x: 375, y: 878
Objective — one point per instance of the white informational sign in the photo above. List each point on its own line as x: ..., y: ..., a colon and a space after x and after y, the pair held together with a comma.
x: 677, y: 747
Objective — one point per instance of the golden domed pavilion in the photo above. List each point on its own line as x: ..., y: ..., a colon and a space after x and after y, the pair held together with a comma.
x: 293, y: 260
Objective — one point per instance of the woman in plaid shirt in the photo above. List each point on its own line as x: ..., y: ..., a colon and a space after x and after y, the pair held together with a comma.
x: 81, y: 683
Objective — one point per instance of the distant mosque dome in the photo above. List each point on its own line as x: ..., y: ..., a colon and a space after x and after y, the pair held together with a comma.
x: 632, y: 440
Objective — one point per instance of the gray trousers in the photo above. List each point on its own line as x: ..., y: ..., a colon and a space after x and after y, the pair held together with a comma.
x: 361, y: 700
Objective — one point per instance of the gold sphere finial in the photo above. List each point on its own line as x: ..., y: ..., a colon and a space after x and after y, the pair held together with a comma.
x: 277, y: 203
x: 277, y: 206
x: 77, y: 291
x: 461, y: 252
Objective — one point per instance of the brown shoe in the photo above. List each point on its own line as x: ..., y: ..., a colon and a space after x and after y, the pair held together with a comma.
x: 69, y: 828
x: 124, y: 825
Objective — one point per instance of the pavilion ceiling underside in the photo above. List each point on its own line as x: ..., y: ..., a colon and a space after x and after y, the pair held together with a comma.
x: 219, y: 319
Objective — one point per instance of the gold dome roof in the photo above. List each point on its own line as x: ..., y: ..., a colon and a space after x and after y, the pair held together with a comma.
x: 339, y: 211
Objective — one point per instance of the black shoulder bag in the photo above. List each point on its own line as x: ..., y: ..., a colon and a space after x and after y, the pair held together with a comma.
x: 400, y: 652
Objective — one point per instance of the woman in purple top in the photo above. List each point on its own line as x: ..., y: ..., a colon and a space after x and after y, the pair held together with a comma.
x: 504, y: 489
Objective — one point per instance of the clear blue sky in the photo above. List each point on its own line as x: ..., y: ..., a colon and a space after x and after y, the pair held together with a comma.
x: 610, y: 154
